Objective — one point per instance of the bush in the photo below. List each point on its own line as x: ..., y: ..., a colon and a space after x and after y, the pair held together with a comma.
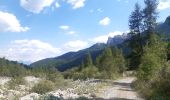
x: 15, y: 82
x: 11, y: 68
x: 154, y: 71
x: 43, y: 87
x: 88, y: 72
x: 54, y: 77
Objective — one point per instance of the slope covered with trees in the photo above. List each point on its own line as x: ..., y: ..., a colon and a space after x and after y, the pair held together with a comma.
x: 11, y: 68
x: 108, y: 65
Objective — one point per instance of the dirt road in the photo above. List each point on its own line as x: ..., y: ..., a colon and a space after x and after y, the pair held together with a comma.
x: 120, y: 90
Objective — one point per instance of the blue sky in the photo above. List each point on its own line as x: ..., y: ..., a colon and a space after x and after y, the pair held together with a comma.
x: 36, y: 29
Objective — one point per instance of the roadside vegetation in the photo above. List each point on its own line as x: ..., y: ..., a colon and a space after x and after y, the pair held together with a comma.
x: 151, y: 53
x: 109, y: 65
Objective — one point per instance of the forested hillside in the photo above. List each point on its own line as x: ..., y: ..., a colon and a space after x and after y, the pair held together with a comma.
x: 11, y: 68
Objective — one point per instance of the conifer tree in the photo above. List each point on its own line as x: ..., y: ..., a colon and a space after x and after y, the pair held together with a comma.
x: 150, y: 15
x: 119, y: 59
x: 106, y: 64
x: 88, y: 60
x: 135, y: 43
x: 135, y: 20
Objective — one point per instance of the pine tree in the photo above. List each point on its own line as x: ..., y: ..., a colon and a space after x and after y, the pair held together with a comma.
x: 136, y: 25
x: 150, y: 15
x: 88, y: 60
x: 119, y: 59
x: 153, y: 60
x: 135, y: 20
x: 87, y: 68
x: 106, y: 64
x: 81, y: 66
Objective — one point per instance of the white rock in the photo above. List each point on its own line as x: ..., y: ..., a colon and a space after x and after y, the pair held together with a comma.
x: 31, y: 80
x: 31, y: 96
x: 1, y: 91
x: 4, y: 80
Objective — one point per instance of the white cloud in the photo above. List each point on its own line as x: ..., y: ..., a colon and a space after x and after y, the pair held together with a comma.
x: 72, y: 32
x: 57, y: 5
x: 29, y: 50
x: 104, y: 38
x: 163, y: 4
x: 9, y: 23
x: 100, y: 10
x: 105, y: 21
x: 35, y: 6
x: 75, y: 45
x: 64, y: 27
x: 76, y: 3
x: 67, y: 30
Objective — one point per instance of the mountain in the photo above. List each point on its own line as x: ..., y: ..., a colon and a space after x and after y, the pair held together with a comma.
x: 70, y: 59
x: 117, y: 40
x: 74, y: 59
x: 164, y: 28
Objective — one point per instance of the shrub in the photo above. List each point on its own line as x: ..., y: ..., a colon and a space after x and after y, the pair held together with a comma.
x: 43, y: 86
x: 15, y: 82
x: 88, y: 72
x: 154, y: 71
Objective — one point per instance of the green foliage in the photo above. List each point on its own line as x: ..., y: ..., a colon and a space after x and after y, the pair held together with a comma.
x: 111, y: 63
x: 119, y: 59
x: 153, y: 59
x: 150, y: 15
x: 135, y: 20
x: 11, y: 68
x: 43, y: 87
x: 85, y: 73
x: 168, y: 51
x: 88, y: 60
x: 50, y: 74
x: 136, y: 48
x: 90, y: 72
x: 153, y: 72
x: 105, y: 62
x: 141, y: 21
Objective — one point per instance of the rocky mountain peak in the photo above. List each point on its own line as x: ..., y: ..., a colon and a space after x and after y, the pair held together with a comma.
x: 118, y: 39
x: 167, y: 21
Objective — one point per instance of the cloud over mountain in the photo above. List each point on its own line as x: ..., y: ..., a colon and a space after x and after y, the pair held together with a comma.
x: 29, y: 50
